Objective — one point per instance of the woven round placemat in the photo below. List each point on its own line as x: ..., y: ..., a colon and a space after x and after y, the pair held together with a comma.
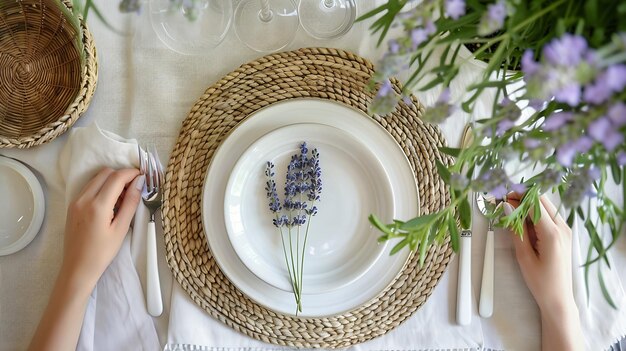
x: 312, y: 72
x: 47, y: 77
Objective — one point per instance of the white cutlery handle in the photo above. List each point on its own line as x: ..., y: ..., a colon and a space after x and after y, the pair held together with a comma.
x: 485, y: 308
x: 154, y: 301
x: 464, y: 292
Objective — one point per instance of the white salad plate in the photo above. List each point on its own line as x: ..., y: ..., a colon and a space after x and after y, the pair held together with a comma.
x: 341, y: 246
x: 378, y: 142
x: 22, y: 206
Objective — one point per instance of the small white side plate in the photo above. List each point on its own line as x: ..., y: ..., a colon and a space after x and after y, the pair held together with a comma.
x: 341, y: 245
x: 22, y: 206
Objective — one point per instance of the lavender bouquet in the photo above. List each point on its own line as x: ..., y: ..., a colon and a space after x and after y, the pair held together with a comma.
x: 303, y: 186
x: 561, y: 65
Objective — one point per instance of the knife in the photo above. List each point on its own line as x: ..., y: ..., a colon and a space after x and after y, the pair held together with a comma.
x: 464, y: 287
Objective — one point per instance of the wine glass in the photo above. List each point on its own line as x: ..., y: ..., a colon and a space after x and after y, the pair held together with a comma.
x: 327, y: 19
x: 191, y: 27
x: 265, y: 25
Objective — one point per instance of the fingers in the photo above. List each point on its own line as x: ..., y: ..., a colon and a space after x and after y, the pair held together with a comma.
x: 95, y: 184
x: 546, y: 223
x: 114, y: 185
x: 129, y: 203
x: 514, y: 196
x: 552, y: 211
x: 524, y: 246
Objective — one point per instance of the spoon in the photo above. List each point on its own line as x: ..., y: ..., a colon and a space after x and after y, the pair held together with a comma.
x: 487, y: 204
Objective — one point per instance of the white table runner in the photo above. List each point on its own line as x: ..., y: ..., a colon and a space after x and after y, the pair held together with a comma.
x: 145, y: 91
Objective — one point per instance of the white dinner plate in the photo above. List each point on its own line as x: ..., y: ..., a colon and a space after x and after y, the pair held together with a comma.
x: 341, y: 245
x: 296, y: 111
x: 22, y: 206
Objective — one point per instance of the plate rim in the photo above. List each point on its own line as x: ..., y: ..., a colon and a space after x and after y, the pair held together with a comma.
x: 237, y: 127
x: 38, y: 205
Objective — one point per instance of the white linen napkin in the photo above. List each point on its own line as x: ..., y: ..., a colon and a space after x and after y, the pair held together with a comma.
x: 116, y: 316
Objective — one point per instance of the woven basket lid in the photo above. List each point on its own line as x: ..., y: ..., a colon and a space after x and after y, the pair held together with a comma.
x: 48, y: 70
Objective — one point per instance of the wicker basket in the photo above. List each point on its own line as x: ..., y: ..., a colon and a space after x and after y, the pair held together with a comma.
x: 48, y: 70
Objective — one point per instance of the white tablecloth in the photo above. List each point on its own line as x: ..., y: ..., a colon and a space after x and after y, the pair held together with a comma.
x: 144, y: 92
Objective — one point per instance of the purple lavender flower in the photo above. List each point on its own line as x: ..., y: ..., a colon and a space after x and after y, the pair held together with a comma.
x: 617, y: 114
x: 621, y: 158
x: 444, y: 96
x: 612, y: 140
x: 504, y: 126
x: 549, y: 178
x: 297, y: 220
x: 529, y: 65
x: 597, y: 92
x: 442, y: 109
x: 302, y: 181
x: 430, y: 27
x: 616, y: 77
x: 270, y: 189
x: 385, y: 88
x: 530, y: 143
x: 312, y: 211
x: 565, y: 154
x: 492, y: 181
x: 599, y: 128
x: 394, y: 46
x: 315, y: 176
x: 281, y: 221
x: 569, y: 94
x: 567, y: 50
x: 455, y: 8
x: 418, y: 36
x: 421, y: 33
x: 493, y: 19
x: 499, y: 192
x: 537, y: 104
x: 583, y: 144
x: 557, y: 120
x: 519, y: 188
x: 579, y: 186
x: 603, y: 131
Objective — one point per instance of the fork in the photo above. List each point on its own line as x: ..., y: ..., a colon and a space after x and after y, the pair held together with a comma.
x: 151, y: 167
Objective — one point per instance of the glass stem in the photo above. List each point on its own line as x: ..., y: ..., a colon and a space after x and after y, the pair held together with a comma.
x: 329, y: 3
x: 266, y: 12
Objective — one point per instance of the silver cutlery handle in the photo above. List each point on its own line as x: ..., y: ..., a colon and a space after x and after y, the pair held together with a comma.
x: 485, y: 308
x: 154, y: 301
x: 464, y: 288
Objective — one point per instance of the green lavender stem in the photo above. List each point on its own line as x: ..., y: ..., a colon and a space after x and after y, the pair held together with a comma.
x: 289, y: 270
x: 306, y: 235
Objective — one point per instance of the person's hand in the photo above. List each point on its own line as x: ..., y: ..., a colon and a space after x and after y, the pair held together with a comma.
x: 97, y: 221
x: 545, y: 254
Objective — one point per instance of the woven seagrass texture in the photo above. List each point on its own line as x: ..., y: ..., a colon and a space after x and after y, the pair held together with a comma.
x: 44, y: 84
x: 306, y: 73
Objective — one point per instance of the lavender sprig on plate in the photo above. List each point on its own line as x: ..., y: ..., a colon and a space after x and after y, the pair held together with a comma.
x: 303, y: 186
